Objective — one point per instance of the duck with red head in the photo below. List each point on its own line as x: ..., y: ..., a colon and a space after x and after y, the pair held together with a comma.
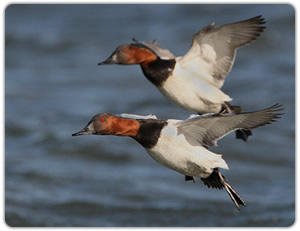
x: 108, y: 124
x: 156, y: 69
x: 131, y: 54
x: 194, y: 81
x: 182, y: 145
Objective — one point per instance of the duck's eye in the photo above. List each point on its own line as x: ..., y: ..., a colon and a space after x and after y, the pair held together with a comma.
x: 125, y: 51
x: 102, y: 119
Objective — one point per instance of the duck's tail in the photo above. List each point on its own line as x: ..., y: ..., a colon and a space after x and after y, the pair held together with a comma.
x: 217, y: 180
x: 242, y: 133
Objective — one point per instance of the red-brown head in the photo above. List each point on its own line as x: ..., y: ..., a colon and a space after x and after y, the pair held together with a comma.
x: 131, y: 54
x: 108, y: 124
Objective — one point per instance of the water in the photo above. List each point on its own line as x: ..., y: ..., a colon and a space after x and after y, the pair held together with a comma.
x: 53, y: 87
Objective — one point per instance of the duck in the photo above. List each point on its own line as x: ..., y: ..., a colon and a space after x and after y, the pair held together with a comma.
x: 194, y: 81
x: 183, y: 145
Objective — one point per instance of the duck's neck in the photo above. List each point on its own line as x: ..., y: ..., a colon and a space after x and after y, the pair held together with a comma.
x: 145, y: 131
x: 159, y: 70
x: 125, y: 127
x: 149, y: 132
x: 141, y: 56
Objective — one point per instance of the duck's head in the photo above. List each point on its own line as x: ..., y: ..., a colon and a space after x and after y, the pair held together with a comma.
x: 108, y: 124
x: 99, y: 125
x: 130, y: 54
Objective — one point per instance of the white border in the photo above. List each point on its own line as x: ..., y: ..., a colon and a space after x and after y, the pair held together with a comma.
x: 5, y: 3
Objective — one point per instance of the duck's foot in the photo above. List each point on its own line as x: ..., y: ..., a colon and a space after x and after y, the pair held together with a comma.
x: 187, y: 178
x: 243, y: 134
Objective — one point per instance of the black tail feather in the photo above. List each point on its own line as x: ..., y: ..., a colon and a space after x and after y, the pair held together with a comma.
x: 235, y: 197
x: 217, y: 180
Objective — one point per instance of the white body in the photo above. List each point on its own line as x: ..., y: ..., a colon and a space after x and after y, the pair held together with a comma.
x: 190, y: 87
x: 174, y: 152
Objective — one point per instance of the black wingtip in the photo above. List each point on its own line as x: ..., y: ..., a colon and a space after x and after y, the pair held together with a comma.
x: 278, y: 106
x: 259, y: 19
x: 277, y: 109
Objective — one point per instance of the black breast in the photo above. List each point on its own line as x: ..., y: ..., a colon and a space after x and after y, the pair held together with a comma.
x: 159, y: 70
x: 149, y: 132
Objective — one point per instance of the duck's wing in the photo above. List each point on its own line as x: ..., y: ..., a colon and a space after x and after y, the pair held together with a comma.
x: 213, y: 49
x: 132, y: 116
x: 207, y: 129
x: 153, y: 46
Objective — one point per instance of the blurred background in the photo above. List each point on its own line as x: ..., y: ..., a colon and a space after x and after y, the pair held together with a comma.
x: 53, y: 87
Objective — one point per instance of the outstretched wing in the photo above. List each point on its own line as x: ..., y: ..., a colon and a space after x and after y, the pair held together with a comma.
x: 206, y: 130
x: 216, y: 47
x: 160, y: 52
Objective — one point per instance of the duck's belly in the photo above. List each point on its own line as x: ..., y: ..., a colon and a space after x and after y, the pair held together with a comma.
x: 181, y: 165
x: 176, y: 153
x: 194, y: 94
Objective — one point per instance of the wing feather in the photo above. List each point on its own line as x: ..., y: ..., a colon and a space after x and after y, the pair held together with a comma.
x: 206, y: 130
x: 217, y: 46
x: 132, y: 116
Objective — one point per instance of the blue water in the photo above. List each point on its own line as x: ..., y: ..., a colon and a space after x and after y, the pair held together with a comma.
x: 53, y: 87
